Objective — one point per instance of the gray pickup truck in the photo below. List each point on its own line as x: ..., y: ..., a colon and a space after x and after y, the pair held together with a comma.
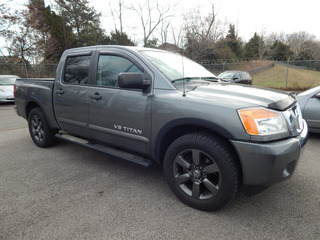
x: 146, y: 105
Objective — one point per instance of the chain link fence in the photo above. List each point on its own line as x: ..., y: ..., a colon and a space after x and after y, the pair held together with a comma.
x: 28, y: 70
x: 286, y: 75
x: 290, y: 75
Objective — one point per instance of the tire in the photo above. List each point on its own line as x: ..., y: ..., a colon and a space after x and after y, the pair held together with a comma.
x: 41, y: 134
x: 202, y: 171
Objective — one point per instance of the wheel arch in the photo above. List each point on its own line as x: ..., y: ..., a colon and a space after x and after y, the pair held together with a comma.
x: 31, y: 105
x: 177, y: 128
x: 34, y: 103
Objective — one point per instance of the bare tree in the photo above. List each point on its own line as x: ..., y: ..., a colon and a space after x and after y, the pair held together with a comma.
x: 299, y: 41
x: 201, y: 33
x: 151, y: 16
x: 164, y: 31
x: 7, y: 17
x: 262, y: 45
x: 117, y: 13
x: 22, y: 44
x: 177, y: 36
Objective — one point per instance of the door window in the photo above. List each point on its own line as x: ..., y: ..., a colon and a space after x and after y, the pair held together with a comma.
x: 110, y: 66
x: 245, y: 76
x: 77, y: 70
x: 236, y: 76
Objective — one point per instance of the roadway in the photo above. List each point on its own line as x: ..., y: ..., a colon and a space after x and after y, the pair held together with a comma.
x: 70, y: 192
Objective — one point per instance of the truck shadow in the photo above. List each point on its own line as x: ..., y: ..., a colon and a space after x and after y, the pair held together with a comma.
x: 276, y: 198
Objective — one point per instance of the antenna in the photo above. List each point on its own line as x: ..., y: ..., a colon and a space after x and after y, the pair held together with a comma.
x: 184, y: 86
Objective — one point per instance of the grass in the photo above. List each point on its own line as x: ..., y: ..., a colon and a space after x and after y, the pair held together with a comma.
x: 298, y: 79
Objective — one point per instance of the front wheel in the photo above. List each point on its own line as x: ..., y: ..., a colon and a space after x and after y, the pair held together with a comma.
x: 41, y: 134
x: 202, y: 171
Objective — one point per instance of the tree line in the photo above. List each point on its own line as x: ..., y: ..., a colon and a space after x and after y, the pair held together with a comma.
x: 40, y: 33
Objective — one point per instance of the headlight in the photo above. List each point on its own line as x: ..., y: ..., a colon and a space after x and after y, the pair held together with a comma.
x: 262, y: 121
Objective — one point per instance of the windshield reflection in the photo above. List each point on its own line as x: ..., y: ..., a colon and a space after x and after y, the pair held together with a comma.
x: 174, y: 66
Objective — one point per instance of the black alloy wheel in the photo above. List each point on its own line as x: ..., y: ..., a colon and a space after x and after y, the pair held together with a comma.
x: 41, y: 134
x: 197, y: 174
x: 202, y: 170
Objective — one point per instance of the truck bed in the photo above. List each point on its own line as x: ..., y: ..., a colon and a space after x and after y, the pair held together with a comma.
x: 35, y: 89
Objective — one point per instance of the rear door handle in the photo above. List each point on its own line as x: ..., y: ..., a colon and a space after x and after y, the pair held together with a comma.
x: 96, y: 96
x: 60, y: 91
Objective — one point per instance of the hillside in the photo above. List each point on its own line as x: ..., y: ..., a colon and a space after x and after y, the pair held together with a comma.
x: 298, y: 79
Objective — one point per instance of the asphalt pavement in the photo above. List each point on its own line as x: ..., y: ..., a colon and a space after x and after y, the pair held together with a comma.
x: 70, y: 192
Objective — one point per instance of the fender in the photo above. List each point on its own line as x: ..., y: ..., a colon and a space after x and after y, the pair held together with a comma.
x: 32, y: 100
x: 187, y: 122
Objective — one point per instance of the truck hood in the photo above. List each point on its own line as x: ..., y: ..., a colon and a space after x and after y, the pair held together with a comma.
x: 245, y: 95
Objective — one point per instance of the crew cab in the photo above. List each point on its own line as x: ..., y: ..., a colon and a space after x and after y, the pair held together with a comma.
x: 152, y: 106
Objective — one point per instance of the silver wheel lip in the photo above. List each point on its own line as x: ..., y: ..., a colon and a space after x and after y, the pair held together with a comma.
x: 195, y: 179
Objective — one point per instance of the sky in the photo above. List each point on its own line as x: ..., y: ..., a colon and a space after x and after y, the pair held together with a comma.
x: 272, y: 16
x: 249, y: 16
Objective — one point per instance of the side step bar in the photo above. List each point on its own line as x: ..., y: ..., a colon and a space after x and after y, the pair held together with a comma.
x: 108, y: 150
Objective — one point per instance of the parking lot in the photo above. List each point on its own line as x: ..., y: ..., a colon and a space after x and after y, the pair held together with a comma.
x: 70, y: 192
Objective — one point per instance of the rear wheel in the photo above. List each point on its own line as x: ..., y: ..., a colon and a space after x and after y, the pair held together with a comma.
x: 41, y: 134
x: 202, y: 171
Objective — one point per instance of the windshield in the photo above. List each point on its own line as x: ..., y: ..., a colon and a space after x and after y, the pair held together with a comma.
x: 175, y: 66
x: 7, y: 80
x: 226, y: 75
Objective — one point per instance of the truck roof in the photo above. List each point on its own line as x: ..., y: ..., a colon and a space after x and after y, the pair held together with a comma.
x: 132, y: 48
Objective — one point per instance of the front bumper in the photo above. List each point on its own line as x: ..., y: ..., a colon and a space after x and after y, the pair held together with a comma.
x: 6, y: 100
x: 266, y: 163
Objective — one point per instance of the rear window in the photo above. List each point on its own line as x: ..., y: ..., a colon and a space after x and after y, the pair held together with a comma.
x: 245, y: 75
x: 227, y: 75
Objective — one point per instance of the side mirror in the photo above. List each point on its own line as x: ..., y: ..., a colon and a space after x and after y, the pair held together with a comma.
x: 132, y: 80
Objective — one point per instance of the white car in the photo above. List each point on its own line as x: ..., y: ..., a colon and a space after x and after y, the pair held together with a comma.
x: 6, y: 88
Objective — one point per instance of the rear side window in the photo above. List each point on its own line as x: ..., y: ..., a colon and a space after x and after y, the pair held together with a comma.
x: 77, y: 70
x: 246, y: 76
x: 110, y: 66
x: 236, y: 76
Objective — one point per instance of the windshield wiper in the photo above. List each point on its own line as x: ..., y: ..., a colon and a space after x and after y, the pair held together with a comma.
x: 183, y: 79
x: 224, y: 80
x: 211, y: 79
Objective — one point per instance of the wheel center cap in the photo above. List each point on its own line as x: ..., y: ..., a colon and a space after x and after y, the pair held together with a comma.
x: 197, y: 173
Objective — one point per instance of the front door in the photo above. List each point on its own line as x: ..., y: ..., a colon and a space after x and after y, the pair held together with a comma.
x: 119, y: 117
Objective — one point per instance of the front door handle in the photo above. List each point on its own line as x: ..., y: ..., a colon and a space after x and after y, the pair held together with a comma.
x: 96, y: 96
x: 60, y: 91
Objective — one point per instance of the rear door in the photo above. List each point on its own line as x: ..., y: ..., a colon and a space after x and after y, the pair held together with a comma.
x: 71, y: 94
x: 119, y: 117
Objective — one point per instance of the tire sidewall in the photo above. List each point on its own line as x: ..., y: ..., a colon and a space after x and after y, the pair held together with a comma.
x: 221, y: 157
x: 48, y: 138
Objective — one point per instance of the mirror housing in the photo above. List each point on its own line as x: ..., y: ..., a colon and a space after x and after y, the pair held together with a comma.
x: 132, y: 80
